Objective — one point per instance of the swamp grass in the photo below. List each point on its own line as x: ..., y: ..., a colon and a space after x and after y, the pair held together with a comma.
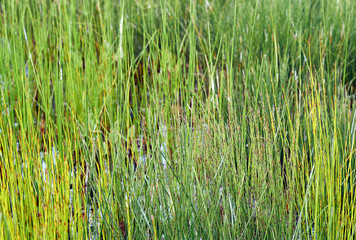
x: 177, y: 119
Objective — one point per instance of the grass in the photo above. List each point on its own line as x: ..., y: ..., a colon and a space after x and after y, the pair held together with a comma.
x: 177, y: 119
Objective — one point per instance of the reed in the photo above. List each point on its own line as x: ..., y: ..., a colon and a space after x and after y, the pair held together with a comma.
x: 177, y: 119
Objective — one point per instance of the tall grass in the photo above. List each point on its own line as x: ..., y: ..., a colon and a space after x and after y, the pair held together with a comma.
x: 177, y: 119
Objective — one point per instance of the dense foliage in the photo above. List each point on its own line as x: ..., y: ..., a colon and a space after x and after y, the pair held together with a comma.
x: 177, y: 119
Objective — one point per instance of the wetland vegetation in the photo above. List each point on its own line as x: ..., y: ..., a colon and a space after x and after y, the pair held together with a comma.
x: 197, y: 119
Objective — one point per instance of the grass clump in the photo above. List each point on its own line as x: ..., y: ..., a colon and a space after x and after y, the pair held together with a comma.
x: 177, y: 119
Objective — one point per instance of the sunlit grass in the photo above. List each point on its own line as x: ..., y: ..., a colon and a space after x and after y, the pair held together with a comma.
x: 177, y: 119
